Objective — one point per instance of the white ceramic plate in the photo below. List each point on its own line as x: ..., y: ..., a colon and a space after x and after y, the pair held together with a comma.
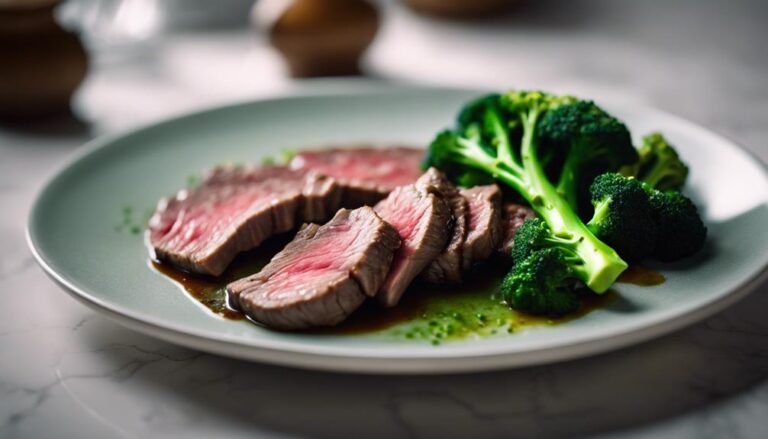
x: 72, y: 232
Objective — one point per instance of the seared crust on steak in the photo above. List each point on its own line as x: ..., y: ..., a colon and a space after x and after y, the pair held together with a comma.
x: 447, y: 266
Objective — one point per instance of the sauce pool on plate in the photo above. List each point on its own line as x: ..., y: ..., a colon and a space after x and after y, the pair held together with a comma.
x: 641, y: 276
x: 433, y: 313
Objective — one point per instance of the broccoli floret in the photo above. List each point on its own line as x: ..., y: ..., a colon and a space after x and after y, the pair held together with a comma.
x: 484, y: 116
x: 542, y: 283
x: 639, y: 221
x: 680, y: 231
x: 535, y: 236
x: 623, y: 217
x: 497, y: 136
x: 481, y: 121
x: 591, y: 142
x: 529, y: 238
x: 660, y: 166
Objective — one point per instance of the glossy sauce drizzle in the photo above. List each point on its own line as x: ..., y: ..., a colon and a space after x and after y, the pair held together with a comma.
x: 427, y: 312
x: 641, y: 276
x: 211, y: 291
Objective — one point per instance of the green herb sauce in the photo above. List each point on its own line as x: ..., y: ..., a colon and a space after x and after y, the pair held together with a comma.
x: 427, y: 313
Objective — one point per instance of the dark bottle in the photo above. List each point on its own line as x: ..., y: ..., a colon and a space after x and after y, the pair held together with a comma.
x: 41, y: 64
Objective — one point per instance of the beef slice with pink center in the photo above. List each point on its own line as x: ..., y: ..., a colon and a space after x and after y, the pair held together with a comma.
x: 484, y: 228
x: 323, y: 275
x: 423, y: 221
x: 234, y: 209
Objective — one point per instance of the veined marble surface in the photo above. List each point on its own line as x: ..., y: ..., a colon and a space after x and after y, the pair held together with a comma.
x: 68, y: 372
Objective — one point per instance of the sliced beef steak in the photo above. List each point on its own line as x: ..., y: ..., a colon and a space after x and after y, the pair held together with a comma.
x: 423, y: 221
x: 513, y: 216
x: 234, y: 210
x: 484, y: 231
x: 323, y: 275
x: 447, y: 266
x: 366, y: 174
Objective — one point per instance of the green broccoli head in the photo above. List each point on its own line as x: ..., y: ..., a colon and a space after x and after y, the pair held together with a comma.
x: 482, y: 118
x: 526, y: 101
x: 529, y: 238
x: 440, y: 153
x: 590, y: 142
x: 659, y: 165
x: 623, y: 218
x: 575, y: 123
x: 494, y: 139
x: 680, y: 231
x: 535, y: 235
x: 542, y: 283
x: 639, y: 221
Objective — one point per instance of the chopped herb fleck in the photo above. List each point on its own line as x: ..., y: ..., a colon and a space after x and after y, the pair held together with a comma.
x: 287, y: 155
x: 131, y: 224
x: 267, y: 161
x: 193, y: 180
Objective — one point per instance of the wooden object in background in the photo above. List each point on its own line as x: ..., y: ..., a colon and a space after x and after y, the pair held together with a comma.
x: 319, y: 37
x: 42, y: 64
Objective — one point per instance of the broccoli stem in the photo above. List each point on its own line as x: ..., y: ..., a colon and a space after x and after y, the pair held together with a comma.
x: 503, y: 148
x: 475, y: 156
x: 602, y: 210
x: 655, y: 175
x: 601, y: 264
x: 598, y: 264
x: 567, y: 184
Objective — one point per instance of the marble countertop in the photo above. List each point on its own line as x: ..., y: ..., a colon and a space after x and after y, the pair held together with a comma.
x: 68, y: 372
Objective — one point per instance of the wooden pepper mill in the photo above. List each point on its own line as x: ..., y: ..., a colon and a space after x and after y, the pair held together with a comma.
x: 319, y: 37
x: 41, y: 64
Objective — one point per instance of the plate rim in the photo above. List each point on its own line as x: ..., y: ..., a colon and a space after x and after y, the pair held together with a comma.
x: 370, y: 360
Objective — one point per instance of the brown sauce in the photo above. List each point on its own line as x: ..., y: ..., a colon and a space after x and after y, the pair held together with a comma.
x: 589, y: 302
x: 641, y: 276
x: 210, y: 291
x: 426, y: 312
x: 416, y: 305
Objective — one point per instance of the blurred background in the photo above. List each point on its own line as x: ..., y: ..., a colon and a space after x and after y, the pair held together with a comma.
x: 74, y: 70
x: 118, y: 63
